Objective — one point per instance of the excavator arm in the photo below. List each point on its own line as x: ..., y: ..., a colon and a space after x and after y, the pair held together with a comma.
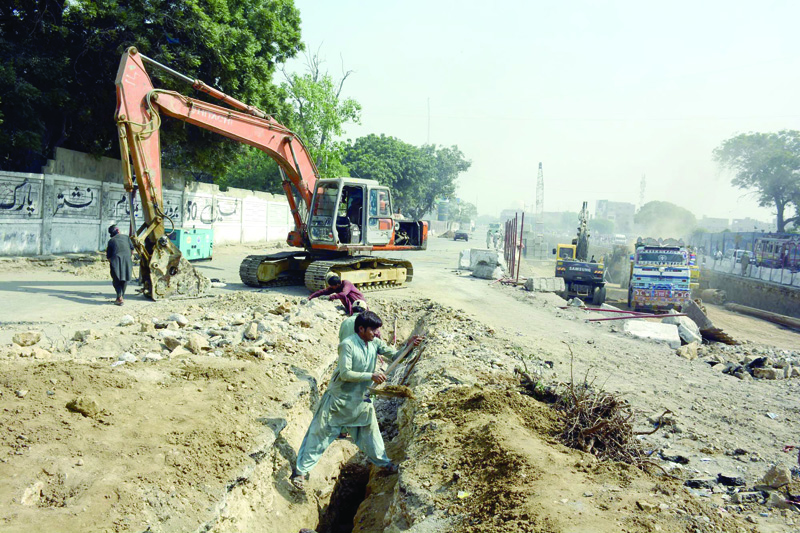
x: 139, y: 105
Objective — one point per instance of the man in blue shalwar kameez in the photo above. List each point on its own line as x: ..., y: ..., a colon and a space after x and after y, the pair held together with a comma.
x: 344, y: 406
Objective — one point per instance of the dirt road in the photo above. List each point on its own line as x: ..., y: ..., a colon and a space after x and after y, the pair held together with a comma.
x: 170, y: 436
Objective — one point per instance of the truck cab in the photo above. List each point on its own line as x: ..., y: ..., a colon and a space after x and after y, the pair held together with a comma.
x: 660, y: 278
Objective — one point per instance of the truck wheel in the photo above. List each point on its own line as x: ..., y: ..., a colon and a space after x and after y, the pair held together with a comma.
x: 599, y: 295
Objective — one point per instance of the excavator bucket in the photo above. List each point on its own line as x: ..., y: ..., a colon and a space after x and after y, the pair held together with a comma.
x: 170, y: 275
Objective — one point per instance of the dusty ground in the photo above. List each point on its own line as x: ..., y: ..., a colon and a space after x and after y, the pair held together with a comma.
x: 204, y: 442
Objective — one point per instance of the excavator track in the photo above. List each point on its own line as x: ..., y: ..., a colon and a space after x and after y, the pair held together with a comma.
x: 318, y: 270
x: 248, y: 271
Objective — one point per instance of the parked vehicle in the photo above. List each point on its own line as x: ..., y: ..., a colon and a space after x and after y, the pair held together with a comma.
x: 461, y: 235
x: 660, y: 277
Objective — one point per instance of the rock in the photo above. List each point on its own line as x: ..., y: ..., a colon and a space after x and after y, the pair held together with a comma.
x: 126, y: 320
x: 21, y: 393
x: 31, y: 495
x: 688, y: 351
x: 127, y: 357
x: 776, y: 477
x: 197, y: 344
x: 646, y: 506
x: 768, y: 373
x: 305, y: 324
x: 88, y: 407
x: 166, y: 333
x: 700, y: 483
x: 84, y: 335
x: 576, y: 302
x: 281, y: 309
x: 27, y: 338
x: 687, y: 329
x: 152, y: 357
x: 795, y: 372
x: 731, y: 480
x: 218, y: 285
x: 251, y: 332
x: 40, y: 353
x: 179, y: 319
x: 171, y: 342
x: 654, y: 331
x: 179, y: 352
x: 551, y: 284
x: 479, y: 256
x: 747, y: 497
x: 147, y: 327
x: 775, y: 499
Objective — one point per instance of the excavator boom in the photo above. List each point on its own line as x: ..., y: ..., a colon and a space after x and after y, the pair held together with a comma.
x: 139, y: 106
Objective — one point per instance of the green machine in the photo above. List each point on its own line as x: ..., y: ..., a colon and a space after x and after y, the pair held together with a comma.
x: 193, y: 243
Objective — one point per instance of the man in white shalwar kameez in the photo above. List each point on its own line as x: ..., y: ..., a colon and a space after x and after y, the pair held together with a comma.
x: 344, y: 406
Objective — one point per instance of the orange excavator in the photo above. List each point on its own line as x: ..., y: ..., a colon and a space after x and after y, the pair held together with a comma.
x: 338, y: 222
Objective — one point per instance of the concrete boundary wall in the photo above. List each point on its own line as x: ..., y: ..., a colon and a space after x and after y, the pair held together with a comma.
x: 50, y: 213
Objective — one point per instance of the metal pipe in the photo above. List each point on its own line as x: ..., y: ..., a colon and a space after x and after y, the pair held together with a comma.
x: 519, y: 255
x: 167, y: 69
x: 629, y: 317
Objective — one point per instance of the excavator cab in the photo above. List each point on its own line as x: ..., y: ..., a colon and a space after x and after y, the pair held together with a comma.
x: 348, y: 213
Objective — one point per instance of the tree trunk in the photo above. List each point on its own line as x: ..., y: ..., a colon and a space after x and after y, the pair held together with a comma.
x: 779, y: 207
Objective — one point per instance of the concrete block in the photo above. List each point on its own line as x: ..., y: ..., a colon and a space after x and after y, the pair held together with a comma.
x: 463, y: 260
x: 687, y: 329
x: 485, y: 271
x: 654, y: 331
x: 550, y: 284
x: 488, y: 257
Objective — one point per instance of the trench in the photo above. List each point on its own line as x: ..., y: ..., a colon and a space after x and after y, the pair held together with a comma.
x: 348, y: 494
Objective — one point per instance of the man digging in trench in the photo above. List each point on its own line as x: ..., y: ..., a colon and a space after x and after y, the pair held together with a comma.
x: 344, y: 407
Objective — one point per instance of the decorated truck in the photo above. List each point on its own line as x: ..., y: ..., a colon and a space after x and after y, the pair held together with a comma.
x: 660, y: 276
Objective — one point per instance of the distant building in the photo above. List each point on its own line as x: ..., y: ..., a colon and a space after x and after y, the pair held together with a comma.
x: 714, y: 225
x: 621, y: 213
x: 508, y: 214
x: 751, y: 224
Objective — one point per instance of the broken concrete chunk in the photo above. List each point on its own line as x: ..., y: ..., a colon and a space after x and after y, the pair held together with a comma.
x: 197, y: 344
x: 179, y: 319
x: 551, y: 284
x: 463, y: 260
x: 171, y: 343
x: 768, y: 373
x: 776, y: 477
x: 687, y: 329
x: 127, y: 320
x: 654, y: 331
x: 251, y: 332
x: 689, y: 351
x: 31, y: 495
x: 486, y: 271
x: 27, y: 338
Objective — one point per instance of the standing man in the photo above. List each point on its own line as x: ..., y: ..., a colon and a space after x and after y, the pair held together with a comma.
x: 745, y: 263
x: 489, y: 238
x: 343, y: 407
x: 118, y: 253
x: 344, y: 291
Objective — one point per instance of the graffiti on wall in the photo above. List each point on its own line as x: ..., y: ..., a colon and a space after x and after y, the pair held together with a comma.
x: 19, y: 197
x: 117, y: 207
x: 199, y: 210
x: 227, y: 209
x: 76, y: 201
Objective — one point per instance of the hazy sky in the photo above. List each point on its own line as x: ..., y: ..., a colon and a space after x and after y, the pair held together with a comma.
x: 599, y: 92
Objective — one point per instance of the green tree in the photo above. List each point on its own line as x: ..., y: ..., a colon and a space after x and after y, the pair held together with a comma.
x: 665, y: 219
x: 61, y: 59
x: 768, y: 164
x: 254, y: 170
x: 319, y: 113
x: 418, y: 176
x: 463, y: 212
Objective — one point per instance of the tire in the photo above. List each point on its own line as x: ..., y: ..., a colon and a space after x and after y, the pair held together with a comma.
x: 599, y: 295
x: 466, y: 239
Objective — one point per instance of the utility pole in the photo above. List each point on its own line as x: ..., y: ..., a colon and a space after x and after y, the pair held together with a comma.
x: 642, y: 186
x: 538, y: 226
